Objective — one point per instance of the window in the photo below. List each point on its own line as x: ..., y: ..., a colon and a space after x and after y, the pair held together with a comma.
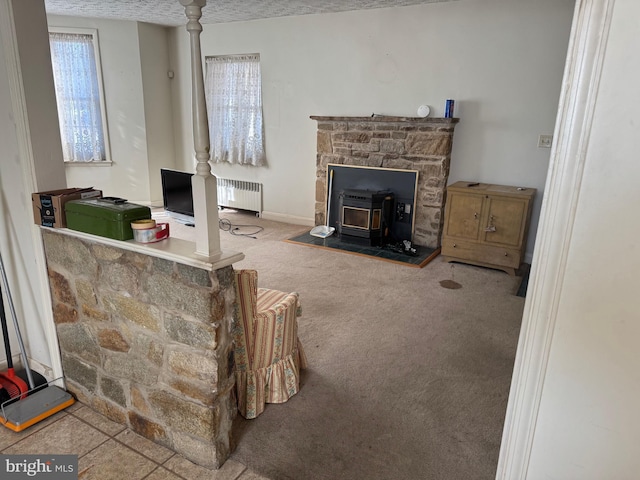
x: 233, y: 89
x: 76, y: 72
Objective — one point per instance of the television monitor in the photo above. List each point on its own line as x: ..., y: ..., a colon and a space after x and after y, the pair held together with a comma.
x: 177, y: 194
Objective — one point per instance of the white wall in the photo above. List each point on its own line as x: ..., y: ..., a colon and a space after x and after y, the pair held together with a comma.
x: 501, y: 60
x: 136, y: 113
x: 30, y: 160
x: 588, y: 426
x: 156, y: 87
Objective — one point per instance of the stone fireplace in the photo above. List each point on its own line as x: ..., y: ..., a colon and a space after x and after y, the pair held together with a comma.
x: 406, y: 143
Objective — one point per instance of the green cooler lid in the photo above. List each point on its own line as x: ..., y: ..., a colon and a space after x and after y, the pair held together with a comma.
x: 108, y: 209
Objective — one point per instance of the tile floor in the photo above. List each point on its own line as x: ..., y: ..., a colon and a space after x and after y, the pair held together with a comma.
x: 108, y: 451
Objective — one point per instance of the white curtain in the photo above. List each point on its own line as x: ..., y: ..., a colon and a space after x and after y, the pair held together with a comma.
x: 233, y: 89
x: 78, y: 96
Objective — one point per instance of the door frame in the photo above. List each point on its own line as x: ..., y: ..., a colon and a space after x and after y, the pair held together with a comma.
x: 578, y: 98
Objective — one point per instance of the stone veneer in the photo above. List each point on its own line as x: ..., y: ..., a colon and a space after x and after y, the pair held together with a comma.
x: 405, y: 143
x: 146, y: 342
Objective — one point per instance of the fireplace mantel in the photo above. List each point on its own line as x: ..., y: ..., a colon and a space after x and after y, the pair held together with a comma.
x: 389, y: 119
x: 405, y: 143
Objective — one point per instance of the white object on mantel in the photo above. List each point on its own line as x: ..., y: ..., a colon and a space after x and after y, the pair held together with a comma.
x: 424, y: 110
x: 205, y: 196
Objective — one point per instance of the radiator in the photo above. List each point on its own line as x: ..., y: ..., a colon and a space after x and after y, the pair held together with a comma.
x: 240, y: 194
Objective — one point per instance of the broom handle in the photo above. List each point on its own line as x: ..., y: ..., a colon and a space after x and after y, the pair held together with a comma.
x: 5, y: 334
x: 23, y: 355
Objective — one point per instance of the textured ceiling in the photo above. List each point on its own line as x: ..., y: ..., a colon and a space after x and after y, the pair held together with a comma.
x: 171, y: 13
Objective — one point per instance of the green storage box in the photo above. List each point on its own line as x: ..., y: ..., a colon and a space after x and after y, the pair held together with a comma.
x: 108, y: 217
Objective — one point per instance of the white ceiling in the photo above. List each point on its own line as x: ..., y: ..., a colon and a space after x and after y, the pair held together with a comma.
x: 171, y: 12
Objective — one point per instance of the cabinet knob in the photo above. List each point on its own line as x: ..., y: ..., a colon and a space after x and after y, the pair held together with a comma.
x: 475, y: 215
x: 506, y: 254
x: 454, y: 245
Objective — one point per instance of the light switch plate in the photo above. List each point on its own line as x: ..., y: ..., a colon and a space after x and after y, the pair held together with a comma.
x: 545, y: 141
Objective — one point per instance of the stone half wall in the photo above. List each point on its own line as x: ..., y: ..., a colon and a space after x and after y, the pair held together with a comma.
x: 146, y: 342
x: 406, y: 143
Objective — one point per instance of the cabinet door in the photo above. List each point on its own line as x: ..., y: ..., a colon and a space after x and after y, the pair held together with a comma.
x: 505, y: 220
x: 463, y: 215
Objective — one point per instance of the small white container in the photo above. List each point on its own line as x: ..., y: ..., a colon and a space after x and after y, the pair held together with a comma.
x: 147, y: 231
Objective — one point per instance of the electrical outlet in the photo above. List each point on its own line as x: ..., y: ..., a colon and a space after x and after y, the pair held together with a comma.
x: 545, y: 141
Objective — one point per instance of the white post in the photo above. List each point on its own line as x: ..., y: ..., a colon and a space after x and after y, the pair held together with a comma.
x: 205, y: 195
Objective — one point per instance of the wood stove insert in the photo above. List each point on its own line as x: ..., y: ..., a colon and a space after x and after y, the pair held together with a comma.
x: 365, y: 216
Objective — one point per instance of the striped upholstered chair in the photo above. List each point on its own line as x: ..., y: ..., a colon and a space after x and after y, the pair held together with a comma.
x: 268, y: 354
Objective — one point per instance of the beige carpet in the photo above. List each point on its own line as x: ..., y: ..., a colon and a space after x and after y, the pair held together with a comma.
x: 407, y: 379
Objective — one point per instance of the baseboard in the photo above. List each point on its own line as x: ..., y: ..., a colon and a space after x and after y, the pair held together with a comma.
x: 284, y: 218
x: 42, y: 369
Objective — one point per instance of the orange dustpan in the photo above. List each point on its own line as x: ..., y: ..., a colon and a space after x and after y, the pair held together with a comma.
x: 15, y: 386
x: 20, y: 411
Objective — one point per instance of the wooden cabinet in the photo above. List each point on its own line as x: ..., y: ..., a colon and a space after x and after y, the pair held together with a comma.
x: 487, y: 224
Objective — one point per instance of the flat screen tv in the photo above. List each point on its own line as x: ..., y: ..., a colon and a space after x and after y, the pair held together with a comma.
x: 177, y: 195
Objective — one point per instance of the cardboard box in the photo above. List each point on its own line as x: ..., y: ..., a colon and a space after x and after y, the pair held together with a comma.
x: 48, y: 207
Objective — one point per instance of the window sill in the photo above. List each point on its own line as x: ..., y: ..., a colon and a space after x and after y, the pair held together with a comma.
x: 88, y: 164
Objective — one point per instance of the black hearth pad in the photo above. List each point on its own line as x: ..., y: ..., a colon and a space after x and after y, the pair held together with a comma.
x: 423, y: 255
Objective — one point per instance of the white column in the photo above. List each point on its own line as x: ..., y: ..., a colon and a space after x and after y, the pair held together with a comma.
x: 205, y: 195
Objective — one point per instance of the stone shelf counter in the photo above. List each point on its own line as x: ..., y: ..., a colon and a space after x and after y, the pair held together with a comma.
x: 144, y: 334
